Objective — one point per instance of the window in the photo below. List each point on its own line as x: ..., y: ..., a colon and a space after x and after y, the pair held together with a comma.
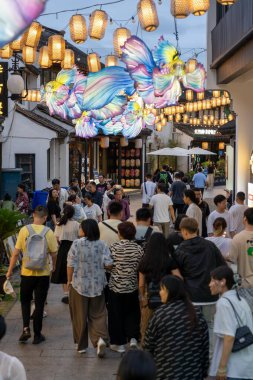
x: 27, y: 163
x: 48, y: 164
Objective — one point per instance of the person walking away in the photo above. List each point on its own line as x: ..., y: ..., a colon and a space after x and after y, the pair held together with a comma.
x: 53, y: 208
x: 177, y: 335
x: 92, y: 210
x: 75, y: 202
x: 175, y: 237
x: 143, y: 224
x: 232, y: 311
x: 199, y: 180
x: 237, y: 212
x: 87, y: 260
x: 22, y: 201
x: 7, y: 203
x: 66, y: 231
x: 222, y: 243
x: 124, y: 308
x: 220, y: 202
x: 147, y: 190
x: 177, y: 190
x: 210, y: 175
x: 204, y: 207
x: 63, y: 193
x: 102, y: 185
x: 37, y: 243
x: 165, y: 177
x: 74, y: 183
x: 136, y: 365
x: 109, y: 228
x: 163, y: 209
x: 124, y: 203
x: 107, y: 198
x: 196, y: 257
x: 193, y: 211
x: 97, y: 196
x: 155, y: 264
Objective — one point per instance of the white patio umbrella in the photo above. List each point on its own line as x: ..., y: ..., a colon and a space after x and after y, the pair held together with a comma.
x: 200, y: 151
x: 170, y: 152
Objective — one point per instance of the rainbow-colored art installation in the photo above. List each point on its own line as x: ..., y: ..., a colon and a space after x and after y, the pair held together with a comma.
x: 113, y: 99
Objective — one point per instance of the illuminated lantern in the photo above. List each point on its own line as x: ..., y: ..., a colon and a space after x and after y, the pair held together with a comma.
x: 44, y: 60
x: 120, y: 36
x: 221, y: 146
x: 199, y: 105
x: 98, y: 24
x: 226, y: 94
x: 191, y: 65
x: 190, y: 107
x: 28, y: 55
x: 216, y: 93
x: 204, y: 145
x: 6, y: 52
x: 159, y: 127
x: 111, y: 60
x: 178, y: 117
x: 189, y: 95
x: 32, y: 34
x: 104, y: 142
x: 199, y: 7
x: 123, y: 142
x: 195, y: 106
x: 201, y: 95
x: 93, y: 62
x: 230, y: 117
x: 223, y: 100
x: 147, y: 14
x: 164, y: 122
x: 204, y: 104
x: 170, y: 118
x: 181, y: 108
x: 78, y: 29
x: 179, y: 8
x: 56, y: 48
x: 226, y: 2
x: 185, y: 118
x: 208, y: 104
x: 218, y: 102
x: 69, y: 59
x: 214, y: 102
x: 173, y: 110
x: 191, y: 120
x: 31, y: 95
x: 18, y: 44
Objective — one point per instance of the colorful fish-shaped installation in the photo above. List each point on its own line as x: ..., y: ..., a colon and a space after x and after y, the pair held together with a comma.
x: 158, y: 76
x: 85, y: 126
x: 16, y: 16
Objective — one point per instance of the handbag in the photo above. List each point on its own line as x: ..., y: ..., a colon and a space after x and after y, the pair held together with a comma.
x: 154, y: 299
x: 243, y: 335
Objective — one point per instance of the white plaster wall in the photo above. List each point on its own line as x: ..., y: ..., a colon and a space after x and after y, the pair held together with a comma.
x: 230, y: 166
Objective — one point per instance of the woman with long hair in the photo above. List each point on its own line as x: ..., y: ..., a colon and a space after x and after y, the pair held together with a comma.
x: 177, y: 335
x: 87, y: 260
x: 155, y: 264
x: 232, y: 312
x: 218, y: 238
x: 66, y: 231
x: 53, y: 208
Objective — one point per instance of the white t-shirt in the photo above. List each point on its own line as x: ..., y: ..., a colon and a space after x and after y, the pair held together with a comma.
x: 240, y: 363
x: 11, y: 368
x: 194, y: 211
x: 237, y: 213
x: 161, y: 203
x: 221, y: 242
x: 93, y: 212
x: 150, y: 187
x: 63, y: 197
x: 214, y: 215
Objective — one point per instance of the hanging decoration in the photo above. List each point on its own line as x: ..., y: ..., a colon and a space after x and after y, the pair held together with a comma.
x: 32, y: 35
x: 199, y: 7
x: 6, y: 52
x: 146, y: 10
x: 17, y: 45
x: 111, y: 60
x: 56, y: 48
x: 179, y: 8
x: 93, y: 62
x: 22, y: 12
x: 69, y: 59
x: 44, y: 61
x: 78, y: 29
x: 227, y: 2
x: 98, y: 24
x: 120, y: 36
x: 28, y: 55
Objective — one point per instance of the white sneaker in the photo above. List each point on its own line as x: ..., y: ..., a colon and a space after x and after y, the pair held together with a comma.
x: 81, y: 351
x: 44, y: 314
x: 133, y: 343
x: 101, y: 348
x: 115, y: 347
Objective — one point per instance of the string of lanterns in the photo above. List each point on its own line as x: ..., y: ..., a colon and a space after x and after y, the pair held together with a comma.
x: 183, y: 8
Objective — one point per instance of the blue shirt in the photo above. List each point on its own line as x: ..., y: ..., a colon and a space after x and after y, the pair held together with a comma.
x: 199, y: 180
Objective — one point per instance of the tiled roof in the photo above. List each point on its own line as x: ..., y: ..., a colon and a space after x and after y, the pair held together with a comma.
x: 43, y: 121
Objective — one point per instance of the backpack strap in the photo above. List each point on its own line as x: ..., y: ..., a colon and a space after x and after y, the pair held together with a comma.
x: 44, y: 231
x: 148, y: 233
x: 111, y: 228
x: 235, y: 312
x: 30, y: 230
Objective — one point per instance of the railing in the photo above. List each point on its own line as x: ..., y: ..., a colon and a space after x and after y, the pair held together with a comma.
x: 233, y: 30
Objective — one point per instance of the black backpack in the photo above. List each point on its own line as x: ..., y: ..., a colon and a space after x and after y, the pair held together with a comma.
x: 143, y: 242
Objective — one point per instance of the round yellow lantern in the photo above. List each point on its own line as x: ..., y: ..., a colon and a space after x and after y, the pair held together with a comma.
x: 120, y: 36
x: 147, y: 14
x: 78, y: 29
x: 56, y: 48
x: 199, y: 7
x: 179, y: 8
x: 191, y: 65
x: 98, y: 24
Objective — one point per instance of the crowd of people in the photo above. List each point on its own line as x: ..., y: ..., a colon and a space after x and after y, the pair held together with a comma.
x: 164, y: 283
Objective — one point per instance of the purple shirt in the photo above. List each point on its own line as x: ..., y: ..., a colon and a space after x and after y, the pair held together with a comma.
x: 125, y: 211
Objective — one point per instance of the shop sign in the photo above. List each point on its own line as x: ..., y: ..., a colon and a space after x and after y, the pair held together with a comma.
x: 3, y: 89
x: 205, y: 131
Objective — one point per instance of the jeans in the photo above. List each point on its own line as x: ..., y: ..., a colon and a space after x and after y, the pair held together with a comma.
x: 39, y: 286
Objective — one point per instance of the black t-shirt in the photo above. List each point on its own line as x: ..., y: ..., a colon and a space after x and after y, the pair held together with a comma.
x: 204, y: 207
x: 101, y: 187
x: 53, y: 209
x: 178, y: 188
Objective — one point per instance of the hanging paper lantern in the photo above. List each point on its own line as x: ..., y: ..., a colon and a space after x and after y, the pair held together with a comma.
x: 185, y: 118
x: 221, y: 146
x: 32, y: 34
x: 159, y: 127
x: 216, y: 93
x: 170, y: 117
x: 93, y: 62
x: 227, y: 2
x: 138, y: 143
x: 120, y: 36
x: 147, y: 14
x: 201, y: 95
x: 199, y: 105
x: 6, y: 52
x: 123, y: 142
x: 28, y: 55
x: 98, y: 24
x: 104, y: 142
x: 78, y: 29
x: 189, y: 95
x: 18, y: 44
x: 199, y: 7
x: 69, y: 59
x: 31, y: 95
x: 44, y: 60
x: 56, y: 48
x: 179, y: 8
x: 191, y: 65
x: 204, y: 145
x: 111, y: 60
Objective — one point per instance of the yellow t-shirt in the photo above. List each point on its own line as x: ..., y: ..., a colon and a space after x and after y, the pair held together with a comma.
x: 21, y: 244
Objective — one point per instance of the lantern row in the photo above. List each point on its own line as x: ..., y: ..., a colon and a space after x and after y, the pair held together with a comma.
x: 183, y: 8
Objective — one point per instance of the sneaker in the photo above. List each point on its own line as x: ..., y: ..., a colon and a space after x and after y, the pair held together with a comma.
x: 65, y: 300
x: 26, y: 334
x: 81, y: 351
x: 133, y: 343
x: 44, y: 314
x: 38, y: 339
x: 101, y: 348
x: 117, y: 348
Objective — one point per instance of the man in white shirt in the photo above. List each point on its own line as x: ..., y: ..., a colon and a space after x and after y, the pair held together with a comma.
x: 193, y: 211
x: 109, y: 228
x: 163, y: 209
x: 237, y: 212
x: 220, y: 202
x: 63, y: 193
x: 147, y: 190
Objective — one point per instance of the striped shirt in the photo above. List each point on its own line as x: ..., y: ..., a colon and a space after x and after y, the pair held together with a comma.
x: 126, y: 256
